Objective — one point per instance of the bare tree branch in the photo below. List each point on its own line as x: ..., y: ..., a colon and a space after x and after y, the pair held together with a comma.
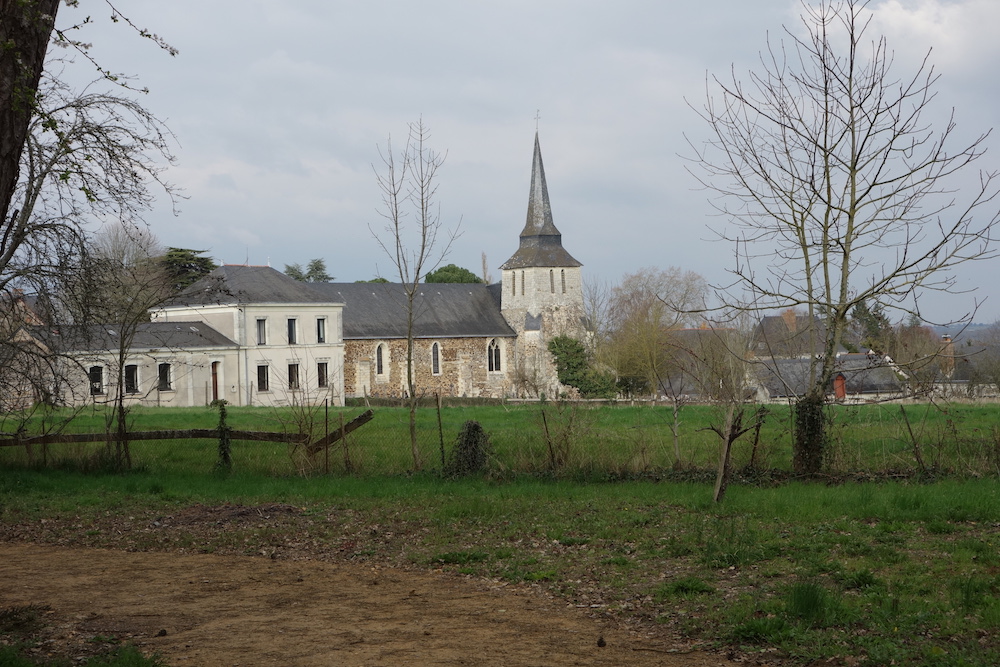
x: 838, y: 190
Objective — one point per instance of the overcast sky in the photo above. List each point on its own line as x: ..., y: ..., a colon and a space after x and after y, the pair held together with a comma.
x: 280, y: 108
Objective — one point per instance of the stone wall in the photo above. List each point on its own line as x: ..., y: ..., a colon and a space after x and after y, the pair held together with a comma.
x: 462, y: 364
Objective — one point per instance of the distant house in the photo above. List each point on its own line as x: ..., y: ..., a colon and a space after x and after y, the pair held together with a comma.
x: 855, y: 377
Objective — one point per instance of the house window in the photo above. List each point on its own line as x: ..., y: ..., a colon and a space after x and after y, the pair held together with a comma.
x: 321, y: 330
x: 261, y: 331
x: 562, y: 275
x: 322, y: 374
x: 262, y: 380
x: 293, y: 376
x: 131, y: 379
x: 493, y: 354
x: 436, y: 359
x: 379, y: 369
x: 96, y: 375
x: 552, y: 281
x: 291, y: 331
x: 163, y: 373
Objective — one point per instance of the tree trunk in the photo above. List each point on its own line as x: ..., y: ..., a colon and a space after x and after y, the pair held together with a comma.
x: 730, y: 431
x: 411, y: 390
x: 676, y: 430
x: 25, y: 27
x: 810, y: 434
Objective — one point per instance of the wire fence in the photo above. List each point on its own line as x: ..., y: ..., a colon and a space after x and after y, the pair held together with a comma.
x: 559, y: 439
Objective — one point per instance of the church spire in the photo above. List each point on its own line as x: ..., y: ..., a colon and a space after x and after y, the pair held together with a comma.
x: 541, y: 242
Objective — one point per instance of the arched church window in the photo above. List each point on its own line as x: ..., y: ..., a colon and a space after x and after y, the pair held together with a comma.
x: 436, y: 359
x: 379, y: 368
x: 552, y: 281
x: 562, y: 274
x: 493, y: 355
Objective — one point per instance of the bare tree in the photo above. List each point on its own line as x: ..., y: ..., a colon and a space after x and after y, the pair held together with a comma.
x: 486, y: 275
x: 643, y: 311
x: 839, y: 191
x: 978, y: 361
x: 120, y: 279
x: 414, y: 238
x: 87, y: 156
x: 920, y: 354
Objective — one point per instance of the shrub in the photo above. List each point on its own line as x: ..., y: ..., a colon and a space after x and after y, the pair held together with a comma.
x: 574, y: 369
x: 471, y: 453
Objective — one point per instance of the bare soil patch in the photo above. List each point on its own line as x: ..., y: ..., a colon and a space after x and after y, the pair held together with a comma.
x: 207, y: 609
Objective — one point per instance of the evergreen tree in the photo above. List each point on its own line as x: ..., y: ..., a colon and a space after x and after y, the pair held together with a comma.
x: 185, y: 266
x: 452, y: 274
x: 315, y: 272
x: 574, y: 369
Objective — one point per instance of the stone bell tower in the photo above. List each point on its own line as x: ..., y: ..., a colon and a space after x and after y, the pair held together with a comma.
x: 542, y: 291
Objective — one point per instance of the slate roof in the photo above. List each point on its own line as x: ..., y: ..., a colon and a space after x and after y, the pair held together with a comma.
x: 239, y: 284
x: 862, y: 375
x: 148, y: 336
x: 371, y: 310
x: 441, y: 310
x: 541, y: 242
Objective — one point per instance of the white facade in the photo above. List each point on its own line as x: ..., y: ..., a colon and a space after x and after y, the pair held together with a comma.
x: 156, y: 377
x: 288, y: 353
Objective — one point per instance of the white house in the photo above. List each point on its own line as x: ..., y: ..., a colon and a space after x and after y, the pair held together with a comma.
x: 289, y: 343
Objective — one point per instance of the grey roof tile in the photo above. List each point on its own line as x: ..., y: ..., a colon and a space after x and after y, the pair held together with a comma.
x: 441, y: 310
x: 147, y: 336
x: 233, y: 283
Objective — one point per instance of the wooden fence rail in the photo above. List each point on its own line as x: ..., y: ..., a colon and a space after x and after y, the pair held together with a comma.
x: 193, y: 434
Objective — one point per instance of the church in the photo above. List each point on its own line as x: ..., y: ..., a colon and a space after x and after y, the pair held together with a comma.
x: 253, y: 336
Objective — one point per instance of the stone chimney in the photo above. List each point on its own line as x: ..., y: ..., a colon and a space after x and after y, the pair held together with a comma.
x: 789, y: 316
x: 947, y: 355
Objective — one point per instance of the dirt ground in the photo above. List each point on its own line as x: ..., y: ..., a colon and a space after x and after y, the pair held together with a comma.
x: 233, y: 610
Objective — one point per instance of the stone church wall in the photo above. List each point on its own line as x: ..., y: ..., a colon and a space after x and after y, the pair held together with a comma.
x: 463, y: 368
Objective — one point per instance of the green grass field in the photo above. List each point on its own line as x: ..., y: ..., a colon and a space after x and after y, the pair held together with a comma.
x: 903, y: 569
x: 885, y: 573
x: 565, y: 440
